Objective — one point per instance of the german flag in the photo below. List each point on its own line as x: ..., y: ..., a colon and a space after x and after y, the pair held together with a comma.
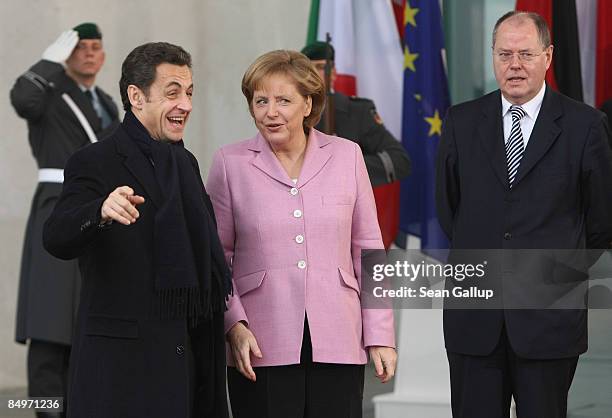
x: 564, y: 74
x: 582, y: 58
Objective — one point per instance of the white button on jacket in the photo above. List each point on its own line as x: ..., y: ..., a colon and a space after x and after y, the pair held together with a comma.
x: 276, y: 281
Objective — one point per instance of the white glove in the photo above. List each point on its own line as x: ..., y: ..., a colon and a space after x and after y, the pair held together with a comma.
x: 60, y: 50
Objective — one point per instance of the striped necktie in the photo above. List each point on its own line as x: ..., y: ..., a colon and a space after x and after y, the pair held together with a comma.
x: 514, y: 146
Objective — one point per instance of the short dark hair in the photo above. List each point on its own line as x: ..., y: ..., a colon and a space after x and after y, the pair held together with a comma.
x: 539, y: 22
x: 139, y: 67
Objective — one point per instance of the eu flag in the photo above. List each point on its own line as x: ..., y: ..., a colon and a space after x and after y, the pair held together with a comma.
x: 425, y: 102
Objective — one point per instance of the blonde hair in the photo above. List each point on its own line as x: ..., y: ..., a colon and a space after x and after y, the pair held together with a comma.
x: 297, y: 67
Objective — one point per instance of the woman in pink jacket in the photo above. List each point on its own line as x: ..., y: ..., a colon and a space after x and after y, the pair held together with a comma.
x: 294, y: 209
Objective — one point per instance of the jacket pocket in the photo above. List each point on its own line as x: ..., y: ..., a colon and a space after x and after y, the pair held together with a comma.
x: 111, y: 327
x: 244, y: 284
x: 349, y: 280
x: 341, y: 199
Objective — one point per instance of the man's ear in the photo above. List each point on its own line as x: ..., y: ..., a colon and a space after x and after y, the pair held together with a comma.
x: 136, y: 96
x: 549, y: 55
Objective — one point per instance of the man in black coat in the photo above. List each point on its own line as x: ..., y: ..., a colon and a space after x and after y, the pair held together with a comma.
x: 65, y: 111
x: 149, y: 338
x: 521, y: 168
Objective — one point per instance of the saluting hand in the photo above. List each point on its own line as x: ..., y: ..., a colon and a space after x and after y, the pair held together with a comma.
x: 120, y: 206
x: 385, y: 360
x: 242, y: 343
x: 62, y: 47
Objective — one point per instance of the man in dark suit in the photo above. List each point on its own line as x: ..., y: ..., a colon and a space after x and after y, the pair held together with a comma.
x: 149, y: 338
x: 521, y: 168
x: 65, y: 111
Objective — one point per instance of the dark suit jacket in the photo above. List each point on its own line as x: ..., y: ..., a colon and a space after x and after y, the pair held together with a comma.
x: 125, y: 361
x: 606, y: 107
x: 561, y: 198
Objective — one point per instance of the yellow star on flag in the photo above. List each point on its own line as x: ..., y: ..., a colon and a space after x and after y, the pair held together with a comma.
x: 409, y: 59
x: 417, y: 97
x: 435, y: 124
x: 409, y: 15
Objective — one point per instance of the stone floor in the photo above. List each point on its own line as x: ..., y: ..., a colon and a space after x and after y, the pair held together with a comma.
x: 372, y: 387
x: 5, y: 396
x: 590, y: 396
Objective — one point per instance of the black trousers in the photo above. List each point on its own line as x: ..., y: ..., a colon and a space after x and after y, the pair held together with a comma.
x: 48, y: 371
x: 305, y: 390
x: 482, y: 386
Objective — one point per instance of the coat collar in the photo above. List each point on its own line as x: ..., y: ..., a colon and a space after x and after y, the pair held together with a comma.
x: 544, y: 134
x: 315, y: 159
x: 138, y: 164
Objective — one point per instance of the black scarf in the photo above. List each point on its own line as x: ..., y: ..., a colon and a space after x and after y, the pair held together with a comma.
x: 191, y: 276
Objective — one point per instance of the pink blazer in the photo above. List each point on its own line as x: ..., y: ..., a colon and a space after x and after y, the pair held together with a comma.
x: 295, y: 249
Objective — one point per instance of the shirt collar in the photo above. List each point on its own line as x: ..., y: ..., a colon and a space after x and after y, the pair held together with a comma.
x: 92, y: 89
x: 531, y: 108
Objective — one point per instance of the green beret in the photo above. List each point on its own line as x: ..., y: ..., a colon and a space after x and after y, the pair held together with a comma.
x: 319, y: 51
x: 88, y: 30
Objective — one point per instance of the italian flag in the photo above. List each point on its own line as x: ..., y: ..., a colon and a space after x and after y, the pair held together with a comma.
x: 369, y: 63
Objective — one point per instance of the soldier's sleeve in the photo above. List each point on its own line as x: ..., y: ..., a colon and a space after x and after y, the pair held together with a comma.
x: 33, y: 90
x: 386, y: 159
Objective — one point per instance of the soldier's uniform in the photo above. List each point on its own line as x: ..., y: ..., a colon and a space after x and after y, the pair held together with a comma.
x: 355, y: 118
x: 62, y: 118
x: 47, y: 289
x: 385, y: 157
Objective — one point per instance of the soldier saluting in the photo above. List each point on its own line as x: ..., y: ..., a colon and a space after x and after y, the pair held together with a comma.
x: 65, y: 111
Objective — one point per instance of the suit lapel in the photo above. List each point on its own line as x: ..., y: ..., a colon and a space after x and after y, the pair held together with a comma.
x: 316, y: 156
x: 491, y: 135
x: 138, y: 165
x: 266, y: 161
x: 545, y: 133
x: 314, y: 160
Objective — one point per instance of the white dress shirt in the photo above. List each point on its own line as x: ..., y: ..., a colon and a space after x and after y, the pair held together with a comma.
x: 532, y: 108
